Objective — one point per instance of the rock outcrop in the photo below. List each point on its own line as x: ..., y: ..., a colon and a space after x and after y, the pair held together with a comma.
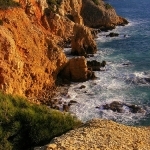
x: 112, y: 34
x: 100, y: 16
x: 61, y: 21
x: 82, y: 42
x: 72, y: 10
x: 76, y: 70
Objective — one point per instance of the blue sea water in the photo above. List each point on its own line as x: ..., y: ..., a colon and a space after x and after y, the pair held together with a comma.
x: 135, y: 48
x: 128, y: 67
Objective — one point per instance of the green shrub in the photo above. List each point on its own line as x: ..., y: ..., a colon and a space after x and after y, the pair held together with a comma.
x: 8, y: 3
x: 52, y: 2
x: 96, y: 2
x: 24, y: 125
x: 52, y: 5
x: 108, y: 6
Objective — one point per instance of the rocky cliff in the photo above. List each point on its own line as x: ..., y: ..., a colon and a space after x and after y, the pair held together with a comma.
x: 100, y: 15
x: 30, y: 58
x: 31, y: 39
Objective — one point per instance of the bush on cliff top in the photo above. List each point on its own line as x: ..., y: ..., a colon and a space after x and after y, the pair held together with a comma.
x: 52, y: 6
x: 8, y: 3
x: 96, y: 2
x: 24, y: 125
x: 54, y: 2
x: 108, y: 6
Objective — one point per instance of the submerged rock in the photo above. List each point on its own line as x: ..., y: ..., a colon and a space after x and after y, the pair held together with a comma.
x: 120, y: 107
x: 112, y: 34
x: 126, y: 64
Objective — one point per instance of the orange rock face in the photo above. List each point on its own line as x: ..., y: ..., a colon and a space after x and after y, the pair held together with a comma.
x: 72, y: 8
x: 29, y: 56
x: 76, y: 70
x: 82, y: 41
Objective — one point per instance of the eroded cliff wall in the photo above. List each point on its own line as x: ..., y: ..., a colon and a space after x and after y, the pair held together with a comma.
x: 30, y: 43
x: 30, y: 58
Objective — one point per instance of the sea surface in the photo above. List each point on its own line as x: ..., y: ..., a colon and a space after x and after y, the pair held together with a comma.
x: 128, y: 67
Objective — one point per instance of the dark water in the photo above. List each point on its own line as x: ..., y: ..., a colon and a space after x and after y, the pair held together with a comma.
x: 127, y: 75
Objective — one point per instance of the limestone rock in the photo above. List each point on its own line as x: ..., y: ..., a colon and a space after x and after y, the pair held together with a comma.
x: 100, y: 16
x: 51, y: 147
x: 38, y: 11
x: 61, y: 21
x: 76, y: 70
x: 72, y: 8
x: 82, y: 42
x: 100, y: 134
x: 58, y: 25
x: 35, y: 9
x: 29, y: 56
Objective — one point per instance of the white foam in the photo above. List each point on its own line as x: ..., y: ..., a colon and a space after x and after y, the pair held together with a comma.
x: 104, y: 89
x: 137, y: 78
x: 67, y: 51
x: 110, y: 85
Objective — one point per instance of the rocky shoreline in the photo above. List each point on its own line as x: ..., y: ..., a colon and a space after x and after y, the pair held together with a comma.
x: 32, y: 39
x: 33, y: 36
x: 100, y: 134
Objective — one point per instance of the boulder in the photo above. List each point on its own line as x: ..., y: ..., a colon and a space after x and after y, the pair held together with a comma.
x: 82, y: 42
x: 95, y: 65
x: 112, y: 34
x: 66, y: 107
x: 103, y: 64
x: 72, y: 102
x: 76, y: 70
